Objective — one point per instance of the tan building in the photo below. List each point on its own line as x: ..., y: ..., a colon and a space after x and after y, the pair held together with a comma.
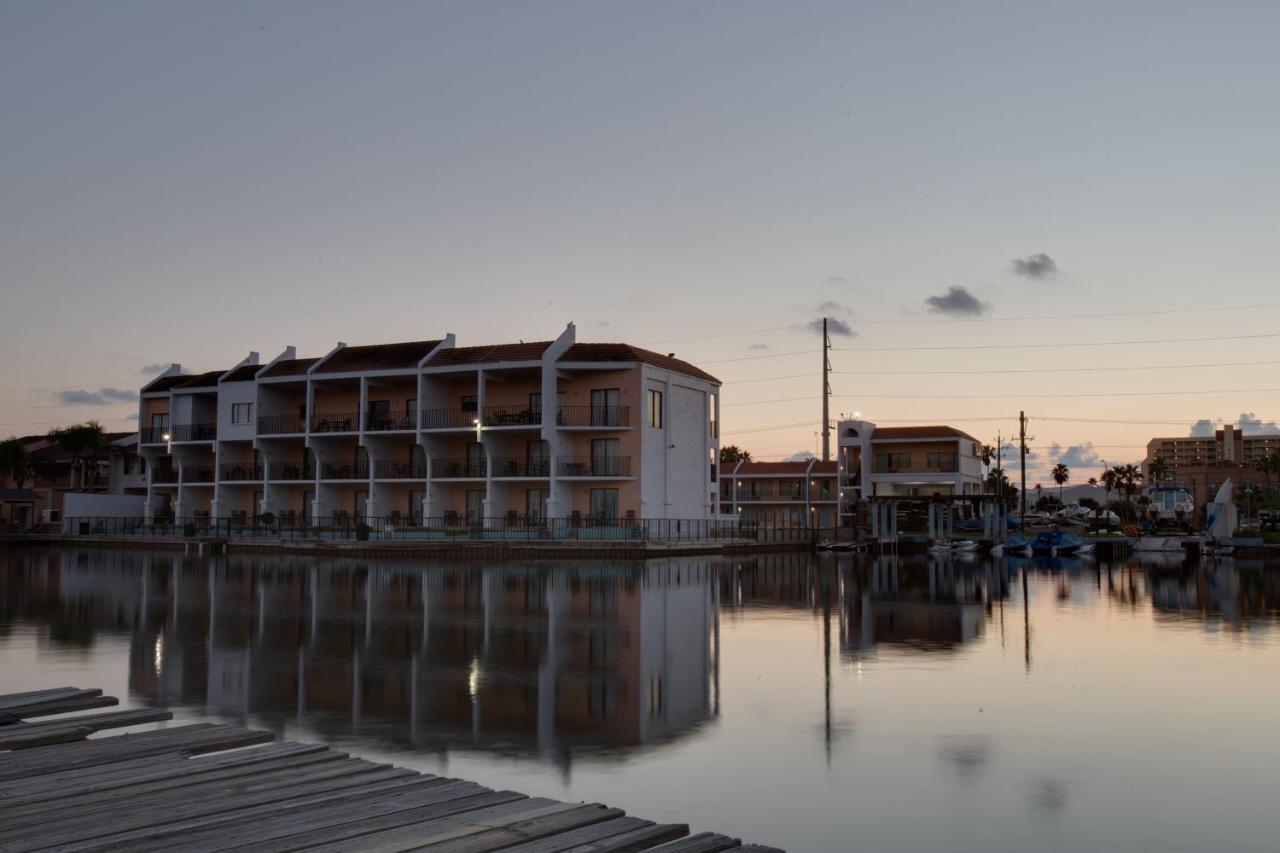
x: 1227, y: 445
x: 781, y: 494
x: 510, y: 433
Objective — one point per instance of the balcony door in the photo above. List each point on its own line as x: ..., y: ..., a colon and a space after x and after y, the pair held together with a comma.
x: 159, y: 425
x: 604, y: 505
x: 475, y: 459
x: 379, y: 416
x: 535, y: 505
x: 604, y: 457
x: 604, y: 407
x: 475, y: 506
x: 537, y: 459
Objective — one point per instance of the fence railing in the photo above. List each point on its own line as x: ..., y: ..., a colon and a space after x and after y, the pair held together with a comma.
x: 593, y: 416
x: 281, y: 424
x: 402, y: 420
x: 233, y: 471
x: 335, y: 422
x: 164, y: 475
x: 290, y: 471
x: 594, y: 466
x: 197, y: 473
x: 514, y: 415
x: 520, y: 466
x: 153, y: 435
x: 455, y: 469
x: 344, y: 470
x: 194, y: 432
x: 455, y: 418
x: 394, y: 469
x: 454, y: 527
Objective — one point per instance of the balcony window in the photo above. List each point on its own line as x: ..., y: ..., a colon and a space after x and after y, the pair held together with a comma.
x: 655, y: 408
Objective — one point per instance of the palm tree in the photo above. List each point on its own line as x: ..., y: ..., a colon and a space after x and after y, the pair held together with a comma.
x: 731, y: 453
x: 13, y: 461
x: 1158, y: 469
x: 1129, y: 479
x: 1061, y: 474
x: 1110, y: 482
x: 81, y: 442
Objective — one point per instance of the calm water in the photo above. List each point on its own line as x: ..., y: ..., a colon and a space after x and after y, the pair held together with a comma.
x: 816, y: 703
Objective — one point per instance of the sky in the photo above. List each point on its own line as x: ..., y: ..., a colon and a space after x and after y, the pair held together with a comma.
x: 1066, y: 209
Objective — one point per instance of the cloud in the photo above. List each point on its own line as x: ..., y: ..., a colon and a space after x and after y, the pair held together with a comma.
x: 132, y: 416
x: 1039, y: 266
x: 829, y: 308
x: 835, y: 328
x: 1075, y: 455
x: 800, y: 456
x: 155, y: 368
x: 957, y: 302
x: 101, y: 397
x: 1203, y: 428
x: 758, y: 346
x: 1249, y: 423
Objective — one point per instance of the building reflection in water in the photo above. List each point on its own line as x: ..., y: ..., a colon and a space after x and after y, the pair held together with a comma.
x: 534, y: 659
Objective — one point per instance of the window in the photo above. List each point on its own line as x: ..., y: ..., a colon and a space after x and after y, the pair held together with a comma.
x: 941, y: 461
x: 604, y: 504
x: 604, y: 407
x: 468, y: 404
x: 713, y: 428
x: 535, y: 505
x: 159, y: 425
x: 655, y: 408
x: 604, y: 457
x: 475, y: 506
x: 379, y: 414
x: 242, y: 413
x: 888, y: 463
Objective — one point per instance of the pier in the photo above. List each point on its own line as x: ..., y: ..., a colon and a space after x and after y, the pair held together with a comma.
x: 213, y: 786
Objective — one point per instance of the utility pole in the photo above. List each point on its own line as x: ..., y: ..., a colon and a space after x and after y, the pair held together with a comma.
x: 999, y: 473
x: 826, y: 393
x: 1022, y: 449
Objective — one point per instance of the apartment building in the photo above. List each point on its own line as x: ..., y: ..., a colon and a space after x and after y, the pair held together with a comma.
x: 781, y: 494
x: 430, y: 430
x: 1226, y: 446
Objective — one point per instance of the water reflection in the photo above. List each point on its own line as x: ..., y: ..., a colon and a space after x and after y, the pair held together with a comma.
x: 545, y: 660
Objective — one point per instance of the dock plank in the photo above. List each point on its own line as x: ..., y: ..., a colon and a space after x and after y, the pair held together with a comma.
x: 703, y: 842
x: 413, y: 836
x: 583, y: 835
x: 530, y: 829
x: 27, y: 734
x: 630, y: 842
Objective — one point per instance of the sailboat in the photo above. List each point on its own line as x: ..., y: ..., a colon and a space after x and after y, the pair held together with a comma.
x: 1223, y: 519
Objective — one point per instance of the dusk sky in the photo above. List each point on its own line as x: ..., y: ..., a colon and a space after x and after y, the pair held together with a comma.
x: 190, y: 181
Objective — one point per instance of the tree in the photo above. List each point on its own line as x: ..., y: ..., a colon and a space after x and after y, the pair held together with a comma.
x: 1061, y: 474
x: 1128, y: 479
x: 987, y: 454
x: 81, y: 442
x: 731, y: 453
x: 997, y: 483
x: 13, y: 461
x: 1268, y: 465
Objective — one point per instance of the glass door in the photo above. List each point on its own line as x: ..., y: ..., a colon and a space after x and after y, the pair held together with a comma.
x: 475, y: 506
x: 604, y: 505
x: 604, y: 407
x: 604, y: 457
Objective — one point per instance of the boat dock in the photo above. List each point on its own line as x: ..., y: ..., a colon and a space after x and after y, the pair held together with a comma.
x: 213, y: 786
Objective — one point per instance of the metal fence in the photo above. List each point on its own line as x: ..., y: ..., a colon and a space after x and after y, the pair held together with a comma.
x: 447, y: 529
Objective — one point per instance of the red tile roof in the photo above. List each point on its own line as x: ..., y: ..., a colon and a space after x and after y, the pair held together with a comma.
x: 406, y: 354
x: 488, y: 354
x: 164, y: 383
x: 921, y: 432
x: 243, y: 373
x: 627, y: 352
x: 290, y: 367
x: 779, y: 468
x: 201, y: 380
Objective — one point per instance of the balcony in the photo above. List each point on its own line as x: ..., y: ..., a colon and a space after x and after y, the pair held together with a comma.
x: 334, y: 422
x: 281, y: 425
x: 289, y: 471
x: 194, y: 432
x: 164, y: 475
x: 594, y: 466
x: 458, y: 469
x: 344, y: 471
x: 519, y: 466
x: 234, y: 472
x: 607, y: 417
x: 153, y: 435
x: 391, y: 421
x: 392, y: 469
x: 197, y: 473
x: 458, y: 418
x: 512, y: 416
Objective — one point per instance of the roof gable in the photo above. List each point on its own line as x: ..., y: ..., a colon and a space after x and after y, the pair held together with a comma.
x: 406, y: 355
x: 627, y: 352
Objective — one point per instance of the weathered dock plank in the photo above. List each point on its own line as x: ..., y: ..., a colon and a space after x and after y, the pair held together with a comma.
x: 206, y: 787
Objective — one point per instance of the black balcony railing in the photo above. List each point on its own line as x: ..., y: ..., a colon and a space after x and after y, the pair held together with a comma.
x: 394, y: 469
x: 164, y: 475
x: 153, y: 435
x: 519, y: 466
x: 194, y: 432
x: 449, y: 418
x: 405, y: 420
x: 344, y: 470
x: 334, y: 422
x: 454, y: 469
x: 593, y: 416
x: 233, y: 471
x: 281, y: 424
x: 197, y: 473
x: 500, y: 416
x: 289, y: 471
x: 594, y: 466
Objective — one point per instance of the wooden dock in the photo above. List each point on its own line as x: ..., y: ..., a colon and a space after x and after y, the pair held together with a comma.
x: 211, y: 786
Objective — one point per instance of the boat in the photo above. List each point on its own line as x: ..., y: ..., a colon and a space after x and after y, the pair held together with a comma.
x: 1016, y: 545
x: 953, y: 546
x: 1069, y: 544
x: 1223, y: 519
x: 1056, y: 542
x: 1150, y: 544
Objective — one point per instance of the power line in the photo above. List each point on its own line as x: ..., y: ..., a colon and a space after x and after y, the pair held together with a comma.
x: 1101, y: 316
x: 1049, y: 369
x: 967, y: 396
x: 1061, y: 344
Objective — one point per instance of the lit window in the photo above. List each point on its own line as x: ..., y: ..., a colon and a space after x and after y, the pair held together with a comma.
x: 655, y: 409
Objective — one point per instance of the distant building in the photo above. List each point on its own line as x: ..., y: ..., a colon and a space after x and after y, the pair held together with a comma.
x: 40, y: 497
x: 518, y: 433
x: 1227, y: 445
x: 915, y: 461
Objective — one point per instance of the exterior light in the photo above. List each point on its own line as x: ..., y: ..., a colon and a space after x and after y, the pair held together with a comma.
x: 165, y: 436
